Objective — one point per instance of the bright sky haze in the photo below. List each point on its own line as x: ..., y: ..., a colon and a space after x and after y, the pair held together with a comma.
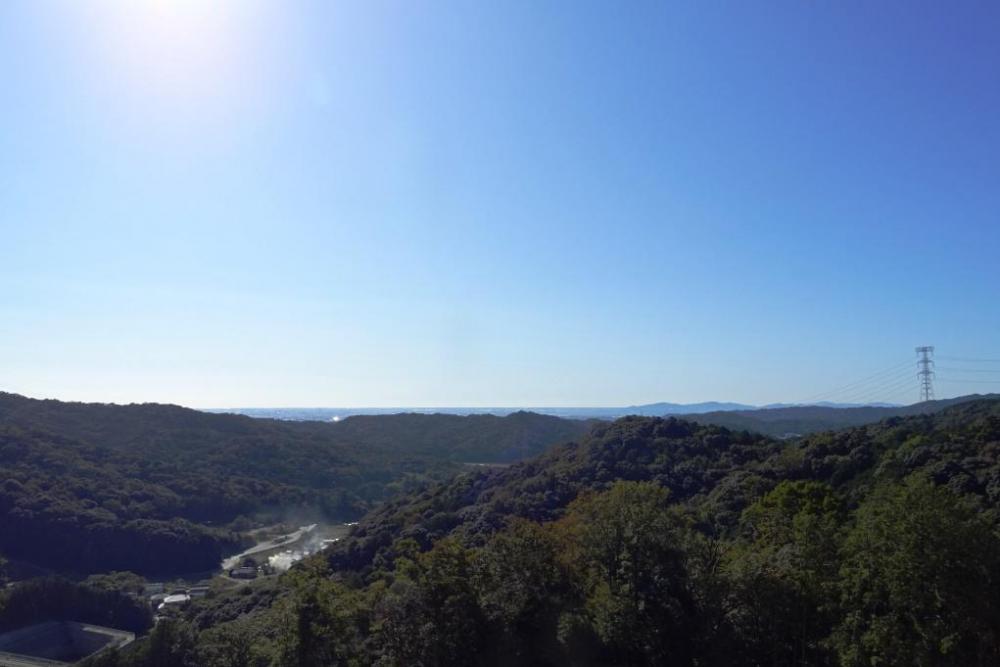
x: 495, y: 203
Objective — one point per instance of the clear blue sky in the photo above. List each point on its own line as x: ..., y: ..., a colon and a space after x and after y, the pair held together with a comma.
x: 493, y: 203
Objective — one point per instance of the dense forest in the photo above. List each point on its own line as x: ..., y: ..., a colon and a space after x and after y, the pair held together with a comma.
x: 161, y: 489
x: 652, y: 541
x: 54, y: 599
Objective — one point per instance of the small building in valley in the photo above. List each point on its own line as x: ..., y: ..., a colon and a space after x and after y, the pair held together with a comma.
x: 173, y: 601
x: 244, y: 572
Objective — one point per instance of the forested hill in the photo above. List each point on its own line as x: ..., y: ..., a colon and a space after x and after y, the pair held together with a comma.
x: 804, y: 419
x: 152, y: 428
x: 154, y: 488
x: 655, y: 541
x: 717, y: 472
x: 689, y: 459
x: 468, y: 439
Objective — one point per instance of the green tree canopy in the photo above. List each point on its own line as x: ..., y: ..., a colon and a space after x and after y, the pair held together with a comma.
x: 921, y: 581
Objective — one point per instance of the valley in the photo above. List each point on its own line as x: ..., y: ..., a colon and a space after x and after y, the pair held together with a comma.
x: 495, y: 555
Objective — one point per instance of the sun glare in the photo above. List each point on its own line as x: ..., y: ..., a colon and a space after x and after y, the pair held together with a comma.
x: 177, y: 56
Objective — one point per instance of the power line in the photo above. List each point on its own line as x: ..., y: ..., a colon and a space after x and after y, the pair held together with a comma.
x: 890, y: 389
x: 904, y: 393
x: 906, y: 376
x: 895, y: 379
x: 961, y: 381
x: 857, y: 383
x: 969, y: 370
x: 904, y: 388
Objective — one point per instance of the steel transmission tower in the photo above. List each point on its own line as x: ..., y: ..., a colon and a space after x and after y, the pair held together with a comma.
x: 925, y: 362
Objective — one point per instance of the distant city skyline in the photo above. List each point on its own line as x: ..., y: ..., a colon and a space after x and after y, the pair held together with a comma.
x: 317, y: 204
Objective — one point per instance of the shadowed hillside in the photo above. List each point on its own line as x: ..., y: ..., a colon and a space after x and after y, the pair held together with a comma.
x: 89, y: 487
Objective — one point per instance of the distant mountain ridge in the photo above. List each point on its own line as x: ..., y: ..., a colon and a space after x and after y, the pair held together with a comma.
x: 829, y: 404
x: 660, y: 409
x: 793, y: 420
